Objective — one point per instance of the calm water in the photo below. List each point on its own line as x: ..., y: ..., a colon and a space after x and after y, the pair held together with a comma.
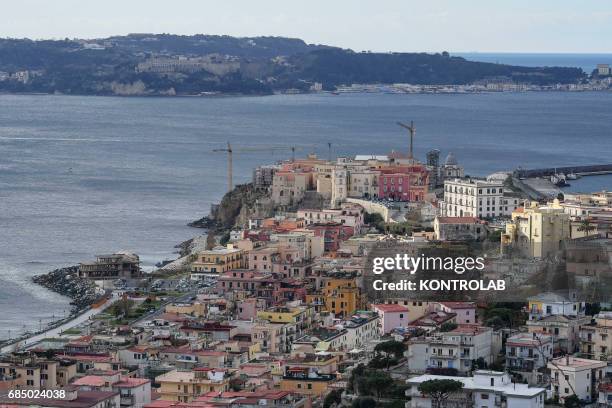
x: 87, y: 175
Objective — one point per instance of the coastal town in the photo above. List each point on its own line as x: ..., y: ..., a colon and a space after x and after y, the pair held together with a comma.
x: 271, y: 305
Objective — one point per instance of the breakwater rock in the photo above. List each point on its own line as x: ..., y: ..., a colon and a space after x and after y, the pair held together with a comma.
x: 66, y: 281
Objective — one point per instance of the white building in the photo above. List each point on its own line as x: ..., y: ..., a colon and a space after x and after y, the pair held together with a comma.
x: 486, y: 389
x: 576, y: 376
x: 339, y: 186
x: 526, y: 353
x: 349, y: 214
x: 455, y: 349
x: 555, y: 304
x: 476, y: 198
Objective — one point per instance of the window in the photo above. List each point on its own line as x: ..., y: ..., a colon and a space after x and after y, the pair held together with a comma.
x: 484, y: 396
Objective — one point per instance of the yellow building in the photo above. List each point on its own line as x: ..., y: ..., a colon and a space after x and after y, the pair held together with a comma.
x: 310, y: 374
x: 195, y: 309
x: 340, y: 296
x: 185, y: 386
x: 218, y: 260
x: 301, y: 315
x: 30, y: 372
x: 537, y: 231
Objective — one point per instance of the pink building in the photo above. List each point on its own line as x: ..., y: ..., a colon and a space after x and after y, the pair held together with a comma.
x: 391, y: 316
x: 403, y: 183
x: 465, y: 311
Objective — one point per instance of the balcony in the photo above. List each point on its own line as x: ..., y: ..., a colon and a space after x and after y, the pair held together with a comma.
x: 444, y: 356
x: 127, y: 400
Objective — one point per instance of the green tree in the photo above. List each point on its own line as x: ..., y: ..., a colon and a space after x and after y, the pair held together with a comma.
x: 390, y: 348
x: 366, y: 402
x: 334, y: 397
x: 586, y: 226
x: 571, y: 402
x: 440, y: 390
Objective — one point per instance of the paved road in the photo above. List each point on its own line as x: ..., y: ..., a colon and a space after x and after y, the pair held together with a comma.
x: 56, y: 331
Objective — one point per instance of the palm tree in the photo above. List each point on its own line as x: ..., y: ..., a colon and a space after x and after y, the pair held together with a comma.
x: 586, y: 226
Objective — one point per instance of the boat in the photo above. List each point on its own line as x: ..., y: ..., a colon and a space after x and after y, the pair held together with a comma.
x: 572, y: 176
x: 559, y: 180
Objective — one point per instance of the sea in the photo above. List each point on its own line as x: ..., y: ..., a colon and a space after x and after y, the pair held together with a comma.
x: 81, y: 176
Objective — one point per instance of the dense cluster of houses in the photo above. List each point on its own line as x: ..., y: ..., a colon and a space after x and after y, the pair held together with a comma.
x: 282, y: 318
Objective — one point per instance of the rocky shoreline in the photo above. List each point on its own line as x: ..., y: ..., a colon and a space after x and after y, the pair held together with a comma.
x: 66, y: 281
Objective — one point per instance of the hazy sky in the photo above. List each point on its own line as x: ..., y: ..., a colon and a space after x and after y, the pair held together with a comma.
x: 382, y: 25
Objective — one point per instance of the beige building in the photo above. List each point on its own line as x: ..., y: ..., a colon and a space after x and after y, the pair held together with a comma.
x: 30, y: 372
x: 537, y: 231
x: 596, y: 338
x: 288, y: 187
x: 185, y: 386
x: 576, y: 376
x: 564, y: 329
x: 363, y: 183
x: 218, y: 260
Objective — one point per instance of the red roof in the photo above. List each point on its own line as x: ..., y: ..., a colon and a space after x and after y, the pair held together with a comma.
x: 390, y: 308
x: 458, y: 220
x: 460, y: 305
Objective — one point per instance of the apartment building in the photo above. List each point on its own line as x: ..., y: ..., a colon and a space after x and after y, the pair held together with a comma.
x: 264, y: 175
x: 403, y: 183
x: 559, y: 303
x: 348, y: 214
x: 113, y: 266
x: 537, y: 231
x: 486, y: 389
x: 391, y: 316
x: 476, y: 198
x: 289, y: 186
x: 565, y: 330
x: 596, y: 337
x: 217, y: 260
x: 363, y: 183
x: 133, y: 392
x: 339, y: 295
x: 185, y: 386
x: 456, y: 349
x: 526, y: 353
x: 576, y: 376
x: 27, y: 371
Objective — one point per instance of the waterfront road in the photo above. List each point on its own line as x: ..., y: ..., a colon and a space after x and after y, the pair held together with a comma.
x: 57, y: 331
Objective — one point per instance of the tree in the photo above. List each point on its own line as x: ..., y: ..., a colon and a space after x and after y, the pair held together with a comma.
x: 391, y: 347
x: 334, y: 397
x: 586, y: 226
x: 366, y: 402
x: 440, y: 390
x: 571, y: 402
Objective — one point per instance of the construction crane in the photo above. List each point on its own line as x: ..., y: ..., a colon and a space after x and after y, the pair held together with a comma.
x: 412, y: 129
x: 230, y: 153
x: 230, y: 166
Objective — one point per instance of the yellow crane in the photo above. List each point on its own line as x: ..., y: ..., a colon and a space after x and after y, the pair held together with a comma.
x: 230, y: 152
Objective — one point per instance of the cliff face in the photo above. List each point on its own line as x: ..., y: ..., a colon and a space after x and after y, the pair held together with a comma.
x: 235, y: 208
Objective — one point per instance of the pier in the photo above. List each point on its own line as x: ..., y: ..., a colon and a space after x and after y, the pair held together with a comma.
x: 588, y: 170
